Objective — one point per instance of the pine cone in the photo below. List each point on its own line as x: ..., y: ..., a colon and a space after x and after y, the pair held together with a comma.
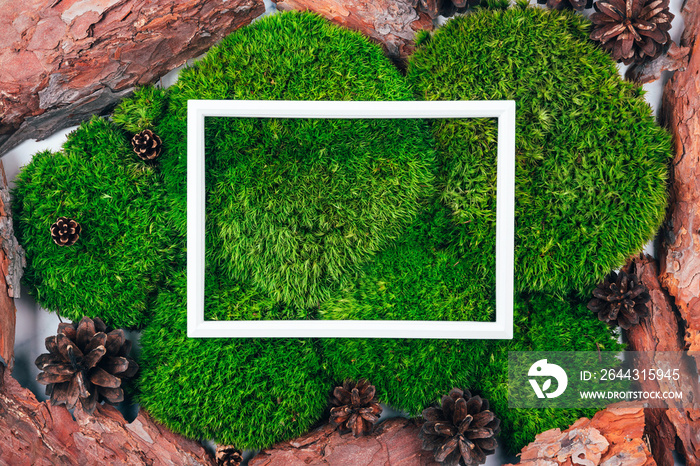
x: 622, y: 298
x: 435, y: 8
x: 147, y: 144
x: 227, y: 455
x: 578, y: 5
x: 462, y: 431
x: 632, y: 30
x: 65, y: 231
x: 355, y: 407
x: 86, y: 363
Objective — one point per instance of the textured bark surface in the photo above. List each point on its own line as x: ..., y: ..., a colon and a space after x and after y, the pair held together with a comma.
x: 612, y: 437
x: 680, y: 254
x: 662, y: 331
x: 12, y: 262
x: 394, y: 442
x: 40, y: 434
x: 393, y: 23
x: 64, y: 60
x: 676, y: 58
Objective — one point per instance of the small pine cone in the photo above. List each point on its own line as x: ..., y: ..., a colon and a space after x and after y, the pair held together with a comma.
x: 227, y: 455
x: 355, y: 407
x: 621, y: 298
x: 462, y: 431
x: 86, y: 362
x: 578, y: 5
x: 435, y: 8
x: 65, y: 231
x: 147, y: 145
x: 632, y: 30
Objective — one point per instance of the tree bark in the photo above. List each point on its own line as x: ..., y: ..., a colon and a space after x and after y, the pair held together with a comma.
x: 40, y: 434
x: 12, y: 262
x: 662, y: 332
x: 64, y: 60
x: 392, y: 23
x: 394, y: 442
x: 612, y: 437
x: 680, y: 251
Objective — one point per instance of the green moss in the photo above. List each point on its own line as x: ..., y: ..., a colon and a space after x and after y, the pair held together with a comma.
x: 295, y: 206
x: 141, y: 111
x: 421, y: 277
x: 231, y: 299
x: 125, y: 247
x: 242, y: 392
x: 412, y: 374
x: 591, y: 163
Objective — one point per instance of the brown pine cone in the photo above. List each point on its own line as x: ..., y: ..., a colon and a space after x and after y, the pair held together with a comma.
x: 147, y: 145
x: 435, y: 8
x: 462, y: 431
x: 632, y: 30
x: 621, y: 298
x: 86, y: 363
x: 65, y: 231
x: 227, y: 455
x: 578, y: 5
x: 355, y: 407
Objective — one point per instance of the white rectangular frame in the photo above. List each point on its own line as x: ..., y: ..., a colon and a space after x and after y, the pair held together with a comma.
x: 502, y: 328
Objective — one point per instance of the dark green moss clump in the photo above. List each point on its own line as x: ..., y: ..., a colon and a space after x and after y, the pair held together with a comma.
x: 412, y: 374
x: 296, y: 205
x: 591, y: 163
x: 250, y: 392
x: 125, y: 247
x: 422, y: 276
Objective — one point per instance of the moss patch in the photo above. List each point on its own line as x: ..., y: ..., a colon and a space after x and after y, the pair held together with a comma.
x: 243, y: 392
x: 421, y: 277
x: 295, y: 206
x: 125, y: 248
x: 591, y: 163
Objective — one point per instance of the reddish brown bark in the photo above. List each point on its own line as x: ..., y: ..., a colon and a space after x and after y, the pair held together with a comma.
x: 680, y: 252
x: 12, y: 262
x: 392, y: 23
x: 613, y: 436
x: 662, y: 332
x: 63, y: 60
x: 394, y: 442
x: 40, y: 434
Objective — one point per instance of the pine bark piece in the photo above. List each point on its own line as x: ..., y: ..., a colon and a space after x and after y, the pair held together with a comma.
x: 613, y: 437
x: 64, y: 60
x: 12, y: 263
x: 662, y: 331
x: 392, y: 23
x: 675, y: 58
x: 680, y: 249
x: 394, y: 442
x: 41, y: 434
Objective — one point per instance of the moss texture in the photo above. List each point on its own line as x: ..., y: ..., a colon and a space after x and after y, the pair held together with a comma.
x: 423, y: 276
x: 243, y: 392
x: 296, y: 205
x: 591, y: 163
x: 412, y: 374
x: 125, y: 248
